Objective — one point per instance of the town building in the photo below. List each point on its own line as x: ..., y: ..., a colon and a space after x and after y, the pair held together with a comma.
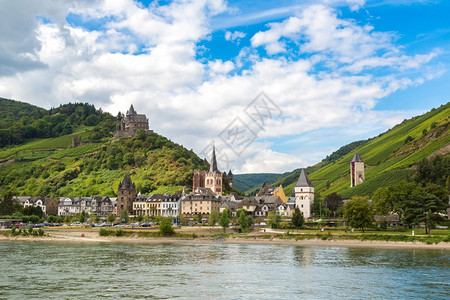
x: 102, y: 206
x: 211, y: 179
x: 51, y: 206
x: 304, y: 194
x: 69, y: 206
x: 201, y: 201
x: 170, y: 206
x: 131, y: 123
x: 356, y: 170
x: 126, y: 195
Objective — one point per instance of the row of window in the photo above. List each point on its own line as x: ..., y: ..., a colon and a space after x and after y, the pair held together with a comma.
x: 211, y: 181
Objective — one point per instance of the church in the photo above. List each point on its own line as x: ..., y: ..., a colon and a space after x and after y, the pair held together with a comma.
x: 211, y: 179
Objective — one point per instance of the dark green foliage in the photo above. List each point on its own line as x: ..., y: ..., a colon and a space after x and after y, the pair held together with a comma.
x: 213, y: 218
x: 244, y: 220
x: 358, y: 212
x: 22, y: 122
x: 333, y: 201
x: 33, y: 210
x: 124, y: 216
x: 422, y: 207
x: 224, y: 219
x: 166, y: 228
x: 274, y: 219
x: 435, y: 170
x: 199, y: 218
x: 297, y: 218
x: 6, y: 205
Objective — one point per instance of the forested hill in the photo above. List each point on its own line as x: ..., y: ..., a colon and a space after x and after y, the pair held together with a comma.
x: 422, y: 142
x: 21, y: 122
x: 38, y: 159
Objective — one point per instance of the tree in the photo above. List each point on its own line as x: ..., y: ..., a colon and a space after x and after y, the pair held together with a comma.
x: 110, y: 218
x: 358, y: 212
x: 333, y: 201
x: 297, y: 218
x: 82, y: 217
x: 274, y: 219
x: 166, y: 228
x: 128, y: 159
x: 124, y: 216
x: 199, y: 218
x: 6, y: 205
x: 421, y: 206
x: 224, y: 219
x: 243, y: 220
x: 213, y: 218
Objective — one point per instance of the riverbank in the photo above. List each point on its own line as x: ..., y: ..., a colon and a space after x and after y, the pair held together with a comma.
x: 87, y: 236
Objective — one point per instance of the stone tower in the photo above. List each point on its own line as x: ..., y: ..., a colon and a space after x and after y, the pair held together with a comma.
x: 356, y: 170
x: 126, y: 195
x: 304, y: 194
x: 213, y: 179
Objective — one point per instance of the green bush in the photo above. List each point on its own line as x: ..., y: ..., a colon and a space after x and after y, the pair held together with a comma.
x: 166, y: 227
x: 104, y: 232
x: 119, y: 232
x: 40, y: 232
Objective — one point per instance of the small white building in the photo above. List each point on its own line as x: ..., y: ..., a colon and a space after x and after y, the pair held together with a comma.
x: 170, y: 206
x: 304, y: 194
x: 68, y: 206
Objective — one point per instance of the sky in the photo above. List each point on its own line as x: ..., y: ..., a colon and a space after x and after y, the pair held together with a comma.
x: 274, y: 85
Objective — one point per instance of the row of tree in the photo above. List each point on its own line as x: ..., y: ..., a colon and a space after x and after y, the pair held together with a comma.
x: 413, y: 203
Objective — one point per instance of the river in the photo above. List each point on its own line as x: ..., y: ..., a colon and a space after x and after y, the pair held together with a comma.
x: 56, y: 270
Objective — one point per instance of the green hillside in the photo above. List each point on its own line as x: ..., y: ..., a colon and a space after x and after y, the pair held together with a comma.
x: 50, y: 166
x: 389, y: 157
x: 245, y: 182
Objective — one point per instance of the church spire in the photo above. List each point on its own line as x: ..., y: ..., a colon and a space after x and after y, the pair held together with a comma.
x: 213, y: 163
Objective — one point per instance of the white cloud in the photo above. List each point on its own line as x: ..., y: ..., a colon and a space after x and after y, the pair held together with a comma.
x: 235, y: 36
x: 149, y: 57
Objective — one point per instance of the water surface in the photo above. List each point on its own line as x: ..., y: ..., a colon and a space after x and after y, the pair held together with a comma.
x: 55, y: 270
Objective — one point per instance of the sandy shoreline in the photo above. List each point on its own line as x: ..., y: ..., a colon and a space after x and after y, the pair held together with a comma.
x: 93, y: 237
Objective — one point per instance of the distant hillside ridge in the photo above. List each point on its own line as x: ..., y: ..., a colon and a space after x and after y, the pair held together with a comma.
x: 245, y: 182
x: 389, y: 157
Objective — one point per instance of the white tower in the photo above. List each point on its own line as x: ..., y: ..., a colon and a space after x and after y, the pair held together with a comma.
x: 304, y: 194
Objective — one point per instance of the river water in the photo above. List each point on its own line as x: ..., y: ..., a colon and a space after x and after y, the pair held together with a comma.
x: 55, y: 270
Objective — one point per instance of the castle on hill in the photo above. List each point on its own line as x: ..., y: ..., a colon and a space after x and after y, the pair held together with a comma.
x: 128, y: 126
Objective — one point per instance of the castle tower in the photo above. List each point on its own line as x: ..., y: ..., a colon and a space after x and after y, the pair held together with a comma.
x: 213, y: 179
x: 126, y: 195
x: 356, y: 170
x: 304, y: 194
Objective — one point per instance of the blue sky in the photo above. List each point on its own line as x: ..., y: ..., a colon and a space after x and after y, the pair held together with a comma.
x: 332, y: 71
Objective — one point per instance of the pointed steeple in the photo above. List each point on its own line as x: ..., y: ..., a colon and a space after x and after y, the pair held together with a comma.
x: 131, y: 111
x: 303, y: 180
x: 213, y: 163
x: 357, y: 158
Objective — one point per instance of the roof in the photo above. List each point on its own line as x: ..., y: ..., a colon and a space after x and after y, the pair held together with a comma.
x: 303, y: 180
x: 268, y: 199
x: 126, y: 183
x: 131, y: 111
x: 213, y: 164
x: 357, y: 158
x: 230, y: 204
